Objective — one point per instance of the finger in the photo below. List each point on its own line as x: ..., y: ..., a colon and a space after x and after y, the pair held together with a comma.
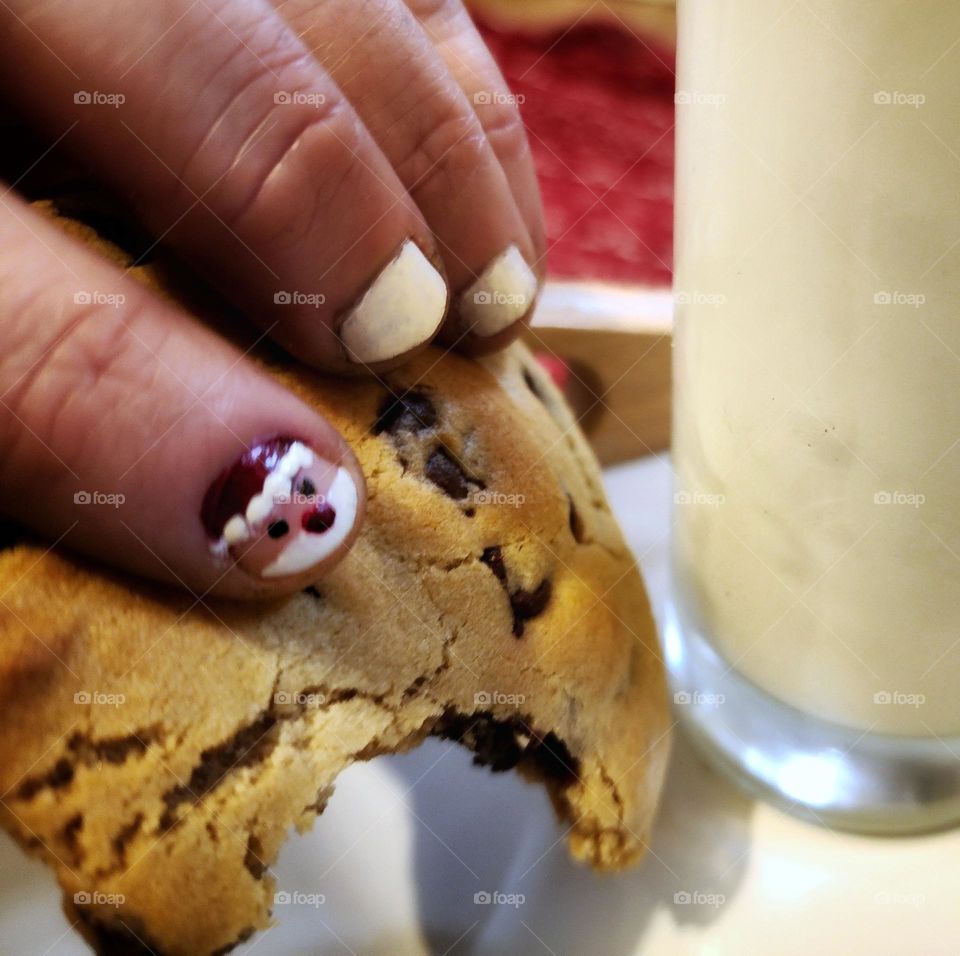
x: 456, y: 39
x: 135, y: 435
x: 384, y: 62
x: 235, y: 145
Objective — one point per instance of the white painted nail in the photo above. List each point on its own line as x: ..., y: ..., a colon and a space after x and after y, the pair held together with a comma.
x: 503, y: 293
x: 403, y: 307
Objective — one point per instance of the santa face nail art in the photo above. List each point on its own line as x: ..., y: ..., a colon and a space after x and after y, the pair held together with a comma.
x: 279, y: 509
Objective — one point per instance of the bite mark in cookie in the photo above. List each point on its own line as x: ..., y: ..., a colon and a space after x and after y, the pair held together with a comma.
x: 503, y: 744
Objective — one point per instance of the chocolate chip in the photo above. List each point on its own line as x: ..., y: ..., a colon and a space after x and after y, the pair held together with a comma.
x: 576, y: 522
x: 125, y: 835
x: 493, y: 559
x: 524, y: 604
x: 493, y: 742
x: 307, y: 487
x: 277, y: 529
x: 60, y: 776
x: 125, y: 936
x: 245, y: 935
x: 415, y: 687
x: 504, y: 744
x: 250, y: 745
x: 445, y: 472
x: 314, y: 592
x: 113, y: 750
x: 71, y: 832
x: 253, y: 858
x: 532, y: 384
x: 409, y: 412
x: 551, y: 757
x: 528, y: 604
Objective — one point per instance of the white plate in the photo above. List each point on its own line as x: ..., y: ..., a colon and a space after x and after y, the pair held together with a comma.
x: 393, y: 866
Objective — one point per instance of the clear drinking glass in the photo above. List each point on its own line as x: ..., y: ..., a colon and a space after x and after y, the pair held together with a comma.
x: 814, y: 632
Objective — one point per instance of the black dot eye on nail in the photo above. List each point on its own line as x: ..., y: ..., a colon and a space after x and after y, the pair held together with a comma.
x: 277, y: 529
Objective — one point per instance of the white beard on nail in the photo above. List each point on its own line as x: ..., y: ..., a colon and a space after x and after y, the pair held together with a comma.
x: 276, y: 486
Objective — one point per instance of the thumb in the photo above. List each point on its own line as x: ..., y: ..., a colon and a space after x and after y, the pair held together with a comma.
x: 136, y: 435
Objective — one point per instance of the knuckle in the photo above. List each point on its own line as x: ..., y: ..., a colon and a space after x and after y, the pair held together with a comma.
x: 280, y: 200
x: 435, y: 10
x: 271, y: 97
x: 451, y: 142
x: 84, y: 360
x: 505, y: 131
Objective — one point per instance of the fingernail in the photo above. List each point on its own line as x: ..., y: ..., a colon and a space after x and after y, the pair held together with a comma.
x: 403, y: 308
x: 279, y: 509
x: 504, y: 292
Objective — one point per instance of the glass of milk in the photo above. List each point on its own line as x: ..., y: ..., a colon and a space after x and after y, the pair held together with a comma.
x: 814, y: 633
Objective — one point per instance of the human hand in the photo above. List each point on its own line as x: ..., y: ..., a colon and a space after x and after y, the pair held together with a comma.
x: 353, y: 175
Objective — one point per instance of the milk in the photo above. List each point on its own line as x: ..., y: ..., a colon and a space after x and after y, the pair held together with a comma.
x: 817, y: 365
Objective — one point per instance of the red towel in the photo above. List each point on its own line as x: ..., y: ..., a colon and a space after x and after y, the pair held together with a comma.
x: 598, y: 105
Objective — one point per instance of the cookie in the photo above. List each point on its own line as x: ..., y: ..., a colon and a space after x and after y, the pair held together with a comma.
x: 155, y: 747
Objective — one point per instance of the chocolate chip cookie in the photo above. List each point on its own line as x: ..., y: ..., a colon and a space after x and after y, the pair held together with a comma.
x: 155, y: 747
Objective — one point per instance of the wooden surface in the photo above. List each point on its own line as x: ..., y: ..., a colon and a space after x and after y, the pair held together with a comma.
x: 612, y: 345
x: 656, y: 18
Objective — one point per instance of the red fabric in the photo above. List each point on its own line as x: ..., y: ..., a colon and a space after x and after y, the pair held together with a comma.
x: 598, y: 105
